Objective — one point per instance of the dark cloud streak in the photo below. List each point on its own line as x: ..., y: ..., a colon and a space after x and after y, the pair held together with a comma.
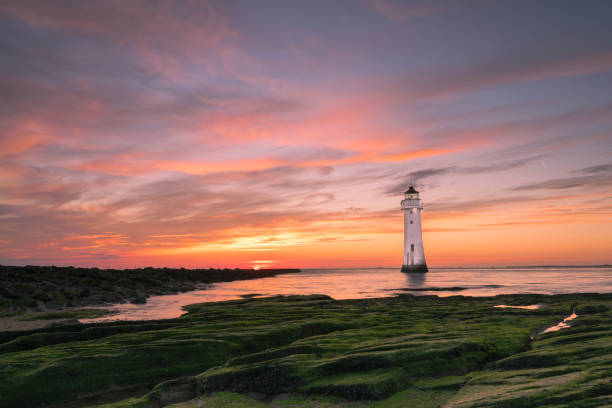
x: 424, y: 175
x: 593, y: 176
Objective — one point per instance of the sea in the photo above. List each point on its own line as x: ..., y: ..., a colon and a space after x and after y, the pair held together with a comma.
x: 356, y: 283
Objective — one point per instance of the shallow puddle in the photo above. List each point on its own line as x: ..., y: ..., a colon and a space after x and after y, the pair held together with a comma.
x: 560, y: 325
x: 529, y: 307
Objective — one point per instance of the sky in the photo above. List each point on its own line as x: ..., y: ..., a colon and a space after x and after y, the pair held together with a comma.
x: 284, y: 133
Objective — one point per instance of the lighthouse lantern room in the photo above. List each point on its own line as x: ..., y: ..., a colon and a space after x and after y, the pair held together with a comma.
x: 414, y: 254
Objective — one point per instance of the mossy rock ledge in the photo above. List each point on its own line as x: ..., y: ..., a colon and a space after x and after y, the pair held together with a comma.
x: 313, y: 351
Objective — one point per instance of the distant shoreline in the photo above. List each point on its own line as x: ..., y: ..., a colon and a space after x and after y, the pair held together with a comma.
x: 48, y: 288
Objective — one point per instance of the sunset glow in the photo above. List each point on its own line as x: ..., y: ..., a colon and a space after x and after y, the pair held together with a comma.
x: 227, y: 134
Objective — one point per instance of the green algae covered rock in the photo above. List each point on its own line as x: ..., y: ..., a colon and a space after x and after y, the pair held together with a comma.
x: 313, y: 351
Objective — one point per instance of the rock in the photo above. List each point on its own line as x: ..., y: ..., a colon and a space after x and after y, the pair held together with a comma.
x: 107, y: 299
x: 54, y: 306
x: 74, y: 303
x: 139, y: 300
x: 67, y: 322
x: 173, y: 391
x: 41, y: 306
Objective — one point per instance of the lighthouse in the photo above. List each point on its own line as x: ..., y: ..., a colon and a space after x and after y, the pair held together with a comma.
x: 414, y: 254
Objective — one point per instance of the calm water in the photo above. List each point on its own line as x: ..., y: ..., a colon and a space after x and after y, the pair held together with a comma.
x: 368, y: 283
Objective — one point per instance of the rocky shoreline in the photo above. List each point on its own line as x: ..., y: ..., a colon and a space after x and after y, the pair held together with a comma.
x: 44, y: 288
x: 313, y: 351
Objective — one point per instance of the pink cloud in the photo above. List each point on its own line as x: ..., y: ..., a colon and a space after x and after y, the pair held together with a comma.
x: 158, y: 33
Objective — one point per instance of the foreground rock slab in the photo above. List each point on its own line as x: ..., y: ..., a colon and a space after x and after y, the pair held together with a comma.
x: 313, y: 351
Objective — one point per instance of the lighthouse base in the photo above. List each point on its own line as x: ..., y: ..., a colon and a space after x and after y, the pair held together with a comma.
x: 415, y: 268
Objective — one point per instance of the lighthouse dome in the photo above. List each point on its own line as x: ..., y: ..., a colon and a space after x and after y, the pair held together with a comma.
x: 411, y: 194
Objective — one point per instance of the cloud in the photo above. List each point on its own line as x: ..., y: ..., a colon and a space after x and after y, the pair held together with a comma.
x: 458, y: 207
x: 593, y: 176
x: 503, y: 69
x: 423, y: 175
x: 158, y: 34
x: 598, y: 169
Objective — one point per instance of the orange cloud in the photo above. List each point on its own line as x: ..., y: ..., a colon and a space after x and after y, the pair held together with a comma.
x: 23, y: 136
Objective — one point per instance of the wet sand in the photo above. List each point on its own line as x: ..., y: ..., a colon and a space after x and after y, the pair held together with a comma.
x: 12, y: 324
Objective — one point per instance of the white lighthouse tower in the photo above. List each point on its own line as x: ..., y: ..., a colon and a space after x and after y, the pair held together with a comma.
x: 414, y: 254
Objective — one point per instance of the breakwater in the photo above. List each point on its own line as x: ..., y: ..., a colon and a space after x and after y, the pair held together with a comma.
x: 54, y: 288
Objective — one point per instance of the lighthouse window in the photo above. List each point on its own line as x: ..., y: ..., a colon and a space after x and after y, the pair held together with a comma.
x: 411, y: 247
x: 411, y: 221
